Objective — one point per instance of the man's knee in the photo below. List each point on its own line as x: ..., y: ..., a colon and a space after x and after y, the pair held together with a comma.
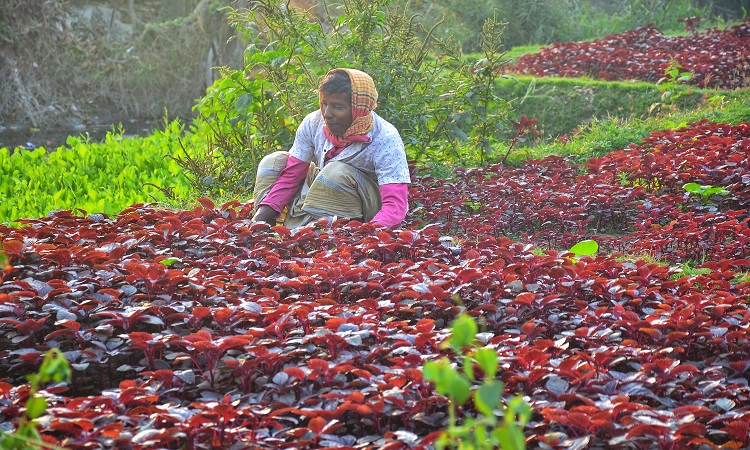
x: 274, y: 162
x: 339, y: 173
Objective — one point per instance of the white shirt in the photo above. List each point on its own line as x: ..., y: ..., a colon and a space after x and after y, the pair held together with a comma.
x: 384, y: 157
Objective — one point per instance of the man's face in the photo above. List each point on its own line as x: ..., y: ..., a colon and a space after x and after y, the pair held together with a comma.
x: 337, y: 112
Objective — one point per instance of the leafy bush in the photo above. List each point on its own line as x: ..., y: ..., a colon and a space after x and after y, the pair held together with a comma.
x: 442, y: 106
x: 93, y: 177
x: 240, y: 121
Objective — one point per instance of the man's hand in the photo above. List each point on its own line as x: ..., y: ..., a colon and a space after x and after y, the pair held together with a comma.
x: 266, y: 214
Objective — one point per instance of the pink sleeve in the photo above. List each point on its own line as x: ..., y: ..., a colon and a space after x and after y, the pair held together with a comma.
x: 287, y: 184
x: 395, y: 204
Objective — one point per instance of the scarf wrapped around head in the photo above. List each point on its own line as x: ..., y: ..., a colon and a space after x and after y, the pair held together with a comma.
x: 364, y: 100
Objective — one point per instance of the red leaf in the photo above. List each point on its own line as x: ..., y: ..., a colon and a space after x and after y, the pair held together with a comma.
x: 282, y: 231
x: 425, y: 325
x: 295, y: 372
x: 318, y: 365
x: 139, y: 336
x: 221, y: 315
x: 274, y: 295
x: 234, y: 341
x: 12, y: 247
x: 739, y: 430
x: 317, y: 424
x: 529, y: 329
x: 691, y: 429
x: 334, y: 323
x: 111, y: 430
x: 644, y: 429
x: 357, y: 397
x: 526, y: 298
x: 654, y: 334
x: 199, y: 312
x: 365, y: 410
x: 206, y: 203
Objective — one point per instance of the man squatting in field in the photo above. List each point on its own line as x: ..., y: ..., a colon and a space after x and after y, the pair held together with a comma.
x: 346, y: 161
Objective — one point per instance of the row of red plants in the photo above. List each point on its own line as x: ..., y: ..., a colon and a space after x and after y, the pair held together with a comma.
x: 715, y: 58
x: 201, y: 329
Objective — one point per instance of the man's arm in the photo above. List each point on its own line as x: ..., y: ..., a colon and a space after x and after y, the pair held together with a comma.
x: 282, y: 191
x: 395, y: 204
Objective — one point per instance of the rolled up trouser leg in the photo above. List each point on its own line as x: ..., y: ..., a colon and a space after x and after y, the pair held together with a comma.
x: 269, y: 169
x: 343, y: 191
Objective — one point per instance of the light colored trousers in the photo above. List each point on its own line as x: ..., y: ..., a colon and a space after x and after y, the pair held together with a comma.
x: 338, y: 190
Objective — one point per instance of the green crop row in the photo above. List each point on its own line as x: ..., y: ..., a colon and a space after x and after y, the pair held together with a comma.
x: 90, y: 177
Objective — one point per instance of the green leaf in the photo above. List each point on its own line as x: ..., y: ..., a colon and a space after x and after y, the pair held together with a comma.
x: 447, y: 380
x: 519, y: 411
x: 585, y: 248
x: 456, y: 387
x: 433, y: 370
x: 54, y: 367
x: 693, y: 188
x: 468, y: 365
x: 718, y: 190
x: 487, y: 397
x: 244, y: 102
x: 170, y: 261
x: 35, y: 407
x: 480, y: 435
x: 510, y: 438
x: 487, y: 360
x: 463, y: 332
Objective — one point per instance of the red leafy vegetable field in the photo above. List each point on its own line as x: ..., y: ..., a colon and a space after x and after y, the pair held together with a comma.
x: 716, y: 58
x: 200, y: 329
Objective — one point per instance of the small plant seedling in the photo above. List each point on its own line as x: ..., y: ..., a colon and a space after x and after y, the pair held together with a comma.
x: 584, y: 248
x: 54, y: 368
x: 673, y: 76
x: 705, y: 192
x: 484, y: 431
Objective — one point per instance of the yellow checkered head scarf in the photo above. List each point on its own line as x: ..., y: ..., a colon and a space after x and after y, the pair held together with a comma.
x: 364, y: 100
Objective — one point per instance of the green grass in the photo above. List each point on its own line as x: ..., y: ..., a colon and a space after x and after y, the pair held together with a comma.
x: 516, y: 52
x: 688, y: 270
x: 742, y: 277
x: 599, y: 116
x: 612, y: 133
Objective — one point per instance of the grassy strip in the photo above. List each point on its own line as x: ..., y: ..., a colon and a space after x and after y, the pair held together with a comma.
x: 611, y: 133
x: 562, y: 105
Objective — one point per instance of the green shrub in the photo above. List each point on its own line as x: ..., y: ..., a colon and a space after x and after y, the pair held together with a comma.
x: 445, y: 109
x: 93, y: 177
